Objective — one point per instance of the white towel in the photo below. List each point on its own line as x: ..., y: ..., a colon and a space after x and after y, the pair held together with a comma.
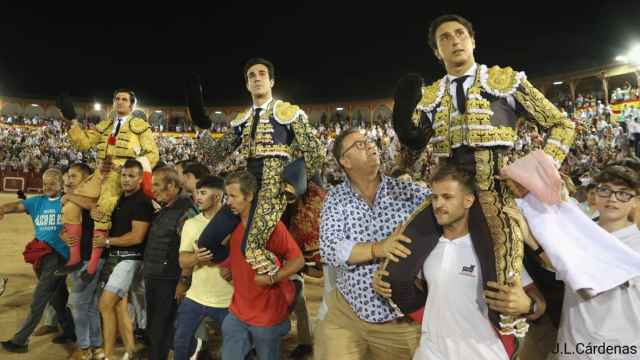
x: 586, y: 257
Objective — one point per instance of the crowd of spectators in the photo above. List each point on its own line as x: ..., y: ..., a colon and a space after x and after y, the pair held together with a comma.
x: 602, y: 136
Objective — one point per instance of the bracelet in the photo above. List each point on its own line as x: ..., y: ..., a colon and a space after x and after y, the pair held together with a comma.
x: 107, y: 243
x: 373, y: 253
x: 272, y: 279
x: 532, y: 308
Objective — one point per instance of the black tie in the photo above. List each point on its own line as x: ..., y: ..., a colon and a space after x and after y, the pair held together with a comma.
x: 461, y: 100
x: 254, y: 126
x: 256, y: 120
x: 117, y: 127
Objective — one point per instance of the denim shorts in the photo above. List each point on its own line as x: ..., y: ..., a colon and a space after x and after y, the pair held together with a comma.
x: 122, y: 277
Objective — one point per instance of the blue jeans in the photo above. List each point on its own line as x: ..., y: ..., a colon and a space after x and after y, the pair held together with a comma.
x: 83, y: 301
x: 49, y: 289
x: 190, y: 315
x: 238, y: 338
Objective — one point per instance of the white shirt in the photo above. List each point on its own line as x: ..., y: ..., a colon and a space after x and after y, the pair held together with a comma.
x: 468, y: 82
x: 633, y: 127
x: 456, y: 323
x: 123, y: 120
x: 612, y: 318
x: 263, y: 106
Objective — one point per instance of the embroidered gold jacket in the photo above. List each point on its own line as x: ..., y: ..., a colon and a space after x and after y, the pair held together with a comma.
x: 282, y: 129
x: 134, y: 140
x: 487, y: 120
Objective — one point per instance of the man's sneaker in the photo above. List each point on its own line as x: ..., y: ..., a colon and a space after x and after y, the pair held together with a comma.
x: 301, y: 351
x: 64, y: 339
x: 197, y: 350
x: 98, y: 353
x: 45, y: 330
x: 9, y: 346
x: 129, y: 356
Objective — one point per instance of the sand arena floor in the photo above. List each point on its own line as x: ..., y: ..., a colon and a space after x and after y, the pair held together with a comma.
x: 16, y: 231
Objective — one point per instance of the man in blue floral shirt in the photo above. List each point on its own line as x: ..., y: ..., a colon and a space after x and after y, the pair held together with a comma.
x: 357, y: 232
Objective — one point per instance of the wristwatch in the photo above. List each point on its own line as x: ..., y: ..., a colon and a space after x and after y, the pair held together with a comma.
x: 186, y: 280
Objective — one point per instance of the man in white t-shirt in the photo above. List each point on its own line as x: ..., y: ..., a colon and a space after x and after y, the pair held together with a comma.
x: 606, y: 326
x: 456, y: 324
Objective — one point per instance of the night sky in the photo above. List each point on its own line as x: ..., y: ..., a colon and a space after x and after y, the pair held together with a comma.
x: 323, y: 51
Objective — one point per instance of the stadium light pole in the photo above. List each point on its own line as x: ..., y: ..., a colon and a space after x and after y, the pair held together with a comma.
x: 631, y: 57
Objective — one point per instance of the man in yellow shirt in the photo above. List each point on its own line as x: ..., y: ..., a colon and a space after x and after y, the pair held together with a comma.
x: 209, y: 294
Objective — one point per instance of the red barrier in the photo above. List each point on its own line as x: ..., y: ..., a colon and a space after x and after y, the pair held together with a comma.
x: 12, y: 181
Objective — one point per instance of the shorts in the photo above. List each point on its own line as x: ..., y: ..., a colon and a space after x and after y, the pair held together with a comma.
x: 122, y: 276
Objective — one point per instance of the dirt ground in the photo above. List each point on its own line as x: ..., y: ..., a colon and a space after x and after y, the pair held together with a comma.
x: 15, y: 231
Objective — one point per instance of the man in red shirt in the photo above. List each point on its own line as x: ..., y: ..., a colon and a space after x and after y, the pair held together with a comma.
x: 258, y: 316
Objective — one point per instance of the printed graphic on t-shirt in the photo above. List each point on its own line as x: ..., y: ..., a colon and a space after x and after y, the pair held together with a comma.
x: 468, y: 270
x: 48, y: 220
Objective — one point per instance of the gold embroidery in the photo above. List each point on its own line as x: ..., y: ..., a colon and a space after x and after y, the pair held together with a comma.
x: 506, y: 234
x: 431, y: 95
x: 240, y: 119
x: 549, y: 117
x: 285, y: 113
x: 313, y: 150
x: 138, y: 126
x: 502, y: 79
x: 270, y: 205
x: 484, y: 169
x: 415, y: 118
x: 271, y: 200
x: 103, y: 125
x: 215, y: 151
x: 132, y: 141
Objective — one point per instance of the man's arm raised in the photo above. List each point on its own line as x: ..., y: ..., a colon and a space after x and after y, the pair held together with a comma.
x: 15, y: 207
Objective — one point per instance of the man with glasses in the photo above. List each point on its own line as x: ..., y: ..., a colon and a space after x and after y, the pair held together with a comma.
x: 356, y: 232
x: 606, y: 326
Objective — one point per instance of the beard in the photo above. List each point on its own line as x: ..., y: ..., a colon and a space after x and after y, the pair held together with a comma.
x: 450, y: 219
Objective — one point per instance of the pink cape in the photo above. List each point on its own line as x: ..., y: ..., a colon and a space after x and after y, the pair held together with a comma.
x: 538, y: 174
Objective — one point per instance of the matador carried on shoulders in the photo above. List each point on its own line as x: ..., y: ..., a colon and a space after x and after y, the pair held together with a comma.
x: 469, y: 118
x: 267, y: 136
x: 117, y: 138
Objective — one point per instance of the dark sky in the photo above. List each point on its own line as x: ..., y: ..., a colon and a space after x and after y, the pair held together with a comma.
x: 323, y: 51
